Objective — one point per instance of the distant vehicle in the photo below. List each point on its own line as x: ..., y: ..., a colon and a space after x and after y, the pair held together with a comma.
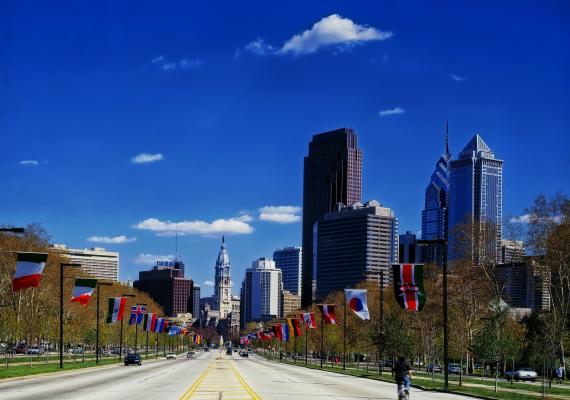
x: 35, y: 351
x: 454, y: 369
x: 21, y: 349
x: 170, y: 356
x: 229, y: 352
x: 434, y: 368
x: 78, y: 350
x: 133, y: 359
x: 191, y: 354
x: 244, y: 354
x: 522, y: 374
x: 207, y: 349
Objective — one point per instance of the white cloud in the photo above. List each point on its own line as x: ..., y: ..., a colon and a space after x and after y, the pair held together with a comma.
x: 158, y: 60
x: 168, y: 65
x: 526, y: 218
x: 29, y: 162
x: 146, y: 158
x: 331, y: 30
x: 149, y: 259
x: 280, y: 214
x: 392, y: 111
x: 111, y: 240
x: 259, y: 47
x: 457, y: 78
x: 217, y: 227
x: 208, y: 283
x: 190, y: 63
x: 245, y: 218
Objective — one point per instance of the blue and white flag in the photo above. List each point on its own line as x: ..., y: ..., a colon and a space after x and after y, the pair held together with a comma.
x: 174, y: 330
x: 356, y: 299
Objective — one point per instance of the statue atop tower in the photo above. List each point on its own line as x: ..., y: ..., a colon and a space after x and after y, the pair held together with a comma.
x: 223, y: 283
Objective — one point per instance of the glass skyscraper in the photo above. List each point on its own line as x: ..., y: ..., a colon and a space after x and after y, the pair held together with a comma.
x: 435, y: 213
x: 290, y: 261
x: 476, y: 197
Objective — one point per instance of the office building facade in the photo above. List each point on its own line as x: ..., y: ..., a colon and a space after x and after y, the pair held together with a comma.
x: 355, y: 244
x: 290, y: 261
x: 476, y: 201
x: 410, y: 251
x: 512, y: 251
x: 436, y: 207
x: 332, y: 174
x: 525, y: 284
x: 290, y: 304
x: 261, y: 290
x: 195, y: 301
x: 96, y: 261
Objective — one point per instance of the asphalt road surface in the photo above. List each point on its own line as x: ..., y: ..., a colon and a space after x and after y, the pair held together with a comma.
x: 209, y: 376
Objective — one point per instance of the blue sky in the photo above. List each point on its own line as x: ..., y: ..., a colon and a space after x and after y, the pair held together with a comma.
x: 221, y: 101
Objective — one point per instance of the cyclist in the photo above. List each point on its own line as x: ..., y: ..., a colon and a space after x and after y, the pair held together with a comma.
x: 403, y: 376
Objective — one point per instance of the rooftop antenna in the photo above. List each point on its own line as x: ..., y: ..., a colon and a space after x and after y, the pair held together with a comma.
x: 447, y: 136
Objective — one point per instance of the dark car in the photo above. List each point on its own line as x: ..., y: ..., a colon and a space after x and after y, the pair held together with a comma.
x: 229, y: 352
x: 244, y: 354
x: 133, y: 359
x: 21, y: 349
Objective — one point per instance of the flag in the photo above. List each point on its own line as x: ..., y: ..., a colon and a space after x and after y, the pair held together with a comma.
x: 137, y: 313
x: 140, y: 314
x: 149, y: 322
x: 290, y: 326
x: 329, y: 315
x: 297, y: 327
x: 277, y: 331
x: 309, y: 318
x: 356, y: 299
x: 409, y: 286
x: 116, y: 309
x: 284, y: 332
x: 165, y: 326
x: 83, y: 290
x: 29, y: 268
x: 174, y: 330
x: 161, y: 325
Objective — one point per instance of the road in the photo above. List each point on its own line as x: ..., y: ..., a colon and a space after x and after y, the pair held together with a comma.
x: 209, y: 376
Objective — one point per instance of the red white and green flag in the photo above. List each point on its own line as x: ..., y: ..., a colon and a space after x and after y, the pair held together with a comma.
x: 83, y: 290
x: 409, y: 286
x: 29, y: 268
x: 116, y: 309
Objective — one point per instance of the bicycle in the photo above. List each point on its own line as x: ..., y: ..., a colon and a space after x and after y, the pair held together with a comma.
x: 403, y: 393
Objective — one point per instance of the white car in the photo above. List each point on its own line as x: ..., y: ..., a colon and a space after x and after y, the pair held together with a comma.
x: 522, y: 374
x: 170, y: 356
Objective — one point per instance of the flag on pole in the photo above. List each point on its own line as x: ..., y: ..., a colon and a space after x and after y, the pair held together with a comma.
x: 137, y: 313
x: 159, y: 325
x: 409, y: 286
x: 29, y: 268
x: 284, y: 332
x: 356, y: 299
x: 165, y: 326
x: 309, y: 318
x: 174, y: 330
x: 329, y: 315
x: 149, y: 322
x: 290, y: 326
x: 296, y: 327
x: 83, y: 290
x: 116, y: 309
x: 277, y: 331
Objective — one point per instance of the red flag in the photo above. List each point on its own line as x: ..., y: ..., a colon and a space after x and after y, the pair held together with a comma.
x: 278, y: 332
x: 309, y: 318
x: 329, y: 315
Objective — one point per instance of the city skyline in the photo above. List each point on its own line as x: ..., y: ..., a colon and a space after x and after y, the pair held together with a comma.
x: 169, y: 133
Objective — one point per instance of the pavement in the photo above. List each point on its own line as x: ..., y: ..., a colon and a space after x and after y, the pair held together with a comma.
x: 210, y: 375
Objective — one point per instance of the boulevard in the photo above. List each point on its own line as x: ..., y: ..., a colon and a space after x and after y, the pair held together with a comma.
x: 209, y: 376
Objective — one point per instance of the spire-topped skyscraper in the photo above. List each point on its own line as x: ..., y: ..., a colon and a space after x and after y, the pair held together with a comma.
x: 223, y: 283
x: 435, y: 213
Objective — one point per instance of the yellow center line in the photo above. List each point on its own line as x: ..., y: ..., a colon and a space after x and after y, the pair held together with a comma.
x: 195, y: 385
x: 248, y: 389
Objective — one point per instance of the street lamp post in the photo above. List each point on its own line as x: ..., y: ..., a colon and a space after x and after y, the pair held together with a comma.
x: 121, y: 332
x: 97, y: 319
x: 61, y: 267
x: 137, y: 327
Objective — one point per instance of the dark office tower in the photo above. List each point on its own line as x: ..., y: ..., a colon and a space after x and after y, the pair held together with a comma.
x: 332, y: 174
x: 435, y: 212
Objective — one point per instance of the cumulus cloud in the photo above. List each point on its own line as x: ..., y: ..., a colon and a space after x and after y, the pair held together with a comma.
x: 29, y: 162
x: 259, y: 47
x: 526, y: 218
x: 280, y: 214
x: 171, y: 65
x: 245, y: 218
x: 457, y: 78
x: 217, y: 227
x: 149, y: 259
x: 392, y: 111
x: 143, y: 158
x: 208, y: 283
x: 331, y: 30
x: 111, y: 240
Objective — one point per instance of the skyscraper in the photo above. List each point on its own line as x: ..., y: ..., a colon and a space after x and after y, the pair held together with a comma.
x: 261, y: 292
x: 476, y: 198
x: 355, y: 244
x: 290, y: 261
x: 410, y: 250
x: 223, y: 283
x: 435, y: 213
x: 332, y: 174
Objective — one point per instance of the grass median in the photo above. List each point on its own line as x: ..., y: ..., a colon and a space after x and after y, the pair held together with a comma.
x: 34, y: 369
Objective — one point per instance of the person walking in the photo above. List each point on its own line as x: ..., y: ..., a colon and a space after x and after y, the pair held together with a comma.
x: 559, y: 374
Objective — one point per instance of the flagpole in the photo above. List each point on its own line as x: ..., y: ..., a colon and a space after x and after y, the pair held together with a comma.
x: 381, y: 325
x: 61, y: 265
x: 136, y: 332
x: 97, y: 328
x: 344, y: 337
x: 322, y: 336
x: 306, y: 336
x: 121, y: 333
x: 146, y: 344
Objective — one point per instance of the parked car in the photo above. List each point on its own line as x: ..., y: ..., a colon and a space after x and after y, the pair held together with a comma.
x: 229, y: 352
x: 21, y: 349
x: 191, y: 354
x: 454, y: 369
x: 77, y: 350
x: 35, y: 351
x: 244, y: 354
x: 434, y: 368
x: 522, y: 374
x: 171, y: 356
x: 133, y: 358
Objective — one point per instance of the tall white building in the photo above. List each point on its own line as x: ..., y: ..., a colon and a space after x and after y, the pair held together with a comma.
x: 261, y: 291
x: 290, y: 261
x: 223, y: 283
x: 96, y: 261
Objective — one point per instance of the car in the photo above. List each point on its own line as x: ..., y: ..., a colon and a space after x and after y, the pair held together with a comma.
x: 434, y: 368
x: 21, y: 349
x: 133, y: 358
x: 229, y: 352
x: 78, y: 350
x: 35, y: 350
x: 191, y: 354
x: 171, y: 356
x: 244, y: 354
x: 454, y: 369
x: 522, y: 374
